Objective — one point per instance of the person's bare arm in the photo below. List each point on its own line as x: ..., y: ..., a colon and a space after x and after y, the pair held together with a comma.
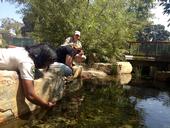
x: 69, y: 61
x: 11, y: 46
x: 28, y: 87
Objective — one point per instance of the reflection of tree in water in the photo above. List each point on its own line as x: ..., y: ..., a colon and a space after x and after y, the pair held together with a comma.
x: 165, y: 98
x: 92, y: 106
x: 157, y: 91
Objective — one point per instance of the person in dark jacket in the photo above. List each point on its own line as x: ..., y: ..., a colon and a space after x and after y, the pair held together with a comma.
x: 65, y: 56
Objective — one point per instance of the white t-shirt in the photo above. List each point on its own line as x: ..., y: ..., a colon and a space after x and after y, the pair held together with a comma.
x: 17, y: 59
x: 69, y: 41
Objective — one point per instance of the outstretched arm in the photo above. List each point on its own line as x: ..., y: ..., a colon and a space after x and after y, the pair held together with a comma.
x: 28, y: 87
x: 11, y: 46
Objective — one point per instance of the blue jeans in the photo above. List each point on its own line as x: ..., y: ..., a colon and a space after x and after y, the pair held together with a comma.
x: 66, y: 70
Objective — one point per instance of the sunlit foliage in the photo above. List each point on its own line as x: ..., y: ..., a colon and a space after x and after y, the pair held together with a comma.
x: 106, y: 25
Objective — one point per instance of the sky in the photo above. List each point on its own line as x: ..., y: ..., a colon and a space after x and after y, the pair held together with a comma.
x: 9, y: 10
x: 159, y: 17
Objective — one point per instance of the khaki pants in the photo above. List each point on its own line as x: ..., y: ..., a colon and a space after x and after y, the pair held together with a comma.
x: 77, y: 69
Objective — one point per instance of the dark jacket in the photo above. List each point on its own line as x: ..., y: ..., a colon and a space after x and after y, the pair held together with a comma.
x: 63, y: 51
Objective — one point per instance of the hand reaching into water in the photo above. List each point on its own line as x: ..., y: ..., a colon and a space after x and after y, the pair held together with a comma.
x: 51, y: 104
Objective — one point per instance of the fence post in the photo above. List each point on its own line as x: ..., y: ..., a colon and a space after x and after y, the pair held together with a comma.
x: 156, y: 48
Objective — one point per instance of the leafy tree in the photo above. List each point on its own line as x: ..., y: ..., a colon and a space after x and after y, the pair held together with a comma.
x: 105, y: 25
x: 166, y: 7
x: 154, y: 33
x: 9, y: 23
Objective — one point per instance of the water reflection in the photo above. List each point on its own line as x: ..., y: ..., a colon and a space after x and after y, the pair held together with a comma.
x: 92, y: 106
x: 124, y: 78
x: 156, y: 114
x: 97, y: 103
x: 153, y: 104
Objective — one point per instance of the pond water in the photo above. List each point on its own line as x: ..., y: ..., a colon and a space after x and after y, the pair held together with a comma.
x: 99, y: 104
x: 152, y: 101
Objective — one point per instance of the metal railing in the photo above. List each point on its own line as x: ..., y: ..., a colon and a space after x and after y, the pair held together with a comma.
x: 149, y: 48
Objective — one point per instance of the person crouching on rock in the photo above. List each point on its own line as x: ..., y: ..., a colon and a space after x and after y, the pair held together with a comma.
x: 65, y: 57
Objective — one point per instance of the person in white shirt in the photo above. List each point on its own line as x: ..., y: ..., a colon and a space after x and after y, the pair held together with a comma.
x: 25, y: 60
x: 74, y: 41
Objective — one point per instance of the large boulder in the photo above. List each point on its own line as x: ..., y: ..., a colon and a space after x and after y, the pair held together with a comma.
x: 120, y: 67
x: 12, y: 101
x: 124, y: 67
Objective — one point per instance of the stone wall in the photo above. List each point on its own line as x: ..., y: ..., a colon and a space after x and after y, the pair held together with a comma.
x: 12, y: 100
